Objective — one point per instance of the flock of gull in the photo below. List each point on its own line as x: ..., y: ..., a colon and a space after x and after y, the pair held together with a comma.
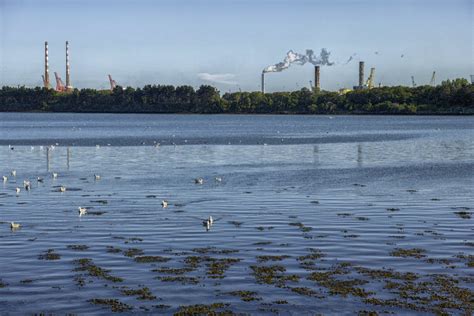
x: 207, y: 223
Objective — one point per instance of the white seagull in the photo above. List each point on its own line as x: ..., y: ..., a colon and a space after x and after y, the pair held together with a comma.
x: 13, y: 173
x: 82, y: 211
x: 97, y: 177
x: 164, y: 203
x: 14, y: 225
x: 27, y: 185
x: 207, y: 224
x: 5, y: 178
x: 199, y: 180
x: 54, y: 175
x: 18, y: 190
x: 62, y: 189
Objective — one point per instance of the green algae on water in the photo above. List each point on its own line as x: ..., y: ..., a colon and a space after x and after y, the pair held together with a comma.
x: 49, y: 255
x: 114, y: 304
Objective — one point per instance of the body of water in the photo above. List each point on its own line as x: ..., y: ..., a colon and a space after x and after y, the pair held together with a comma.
x: 311, y: 214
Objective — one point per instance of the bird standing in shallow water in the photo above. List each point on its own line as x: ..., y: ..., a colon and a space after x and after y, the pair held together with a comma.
x: 164, y: 203
x: 39, y: 179
x: 199, y: 180
x: 13, y: 173
x: 54, y: 175
x: 208, y: 223
x: 96, y: 177
x: 62, y: 189
x: 27, y: 185
x: 5, y: 178
x: 17, y: 190
x: 82, y: 211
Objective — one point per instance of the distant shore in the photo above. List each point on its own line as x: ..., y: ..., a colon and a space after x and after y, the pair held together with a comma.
x: 454, y: 97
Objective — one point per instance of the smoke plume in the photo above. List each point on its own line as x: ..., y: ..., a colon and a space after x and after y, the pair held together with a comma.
x: 218, y: 78
x: 301, y: 59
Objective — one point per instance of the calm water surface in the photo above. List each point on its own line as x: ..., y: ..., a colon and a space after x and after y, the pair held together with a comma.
x: 300, y: 195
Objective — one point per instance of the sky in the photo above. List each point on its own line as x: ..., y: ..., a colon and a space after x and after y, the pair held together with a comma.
x: 227, y: 43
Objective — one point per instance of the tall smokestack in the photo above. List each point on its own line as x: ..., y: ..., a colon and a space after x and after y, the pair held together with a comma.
x: 46, y: 66
x: 317, y: 83
x: 361, y: 74
x: 68, y: 79
x: 263, y: 82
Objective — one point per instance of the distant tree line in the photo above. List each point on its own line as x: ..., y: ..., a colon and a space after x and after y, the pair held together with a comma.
x: 451, y: 97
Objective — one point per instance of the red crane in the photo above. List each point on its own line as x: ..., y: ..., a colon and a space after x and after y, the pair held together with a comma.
x: 59, y: 83
x: 113, y: 84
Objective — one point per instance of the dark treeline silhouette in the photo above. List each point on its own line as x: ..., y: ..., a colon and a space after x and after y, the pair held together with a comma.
x: 451, y: 97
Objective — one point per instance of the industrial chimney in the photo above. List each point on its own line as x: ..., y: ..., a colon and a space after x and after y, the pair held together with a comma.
x: 68, y: 78
x: 361, y: 74
x: 46, y: 66
x: 317, y: 84
x: 263, y: 82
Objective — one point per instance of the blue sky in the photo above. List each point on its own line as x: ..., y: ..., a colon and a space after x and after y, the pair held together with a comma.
x: 231, y: 41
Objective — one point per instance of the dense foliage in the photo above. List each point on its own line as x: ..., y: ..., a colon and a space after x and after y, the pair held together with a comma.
x: 455, y: 97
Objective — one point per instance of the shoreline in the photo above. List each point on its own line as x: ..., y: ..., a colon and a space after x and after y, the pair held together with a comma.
x: 256, y: 114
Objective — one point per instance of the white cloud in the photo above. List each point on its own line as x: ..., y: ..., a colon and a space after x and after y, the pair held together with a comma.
x: 218, y: 78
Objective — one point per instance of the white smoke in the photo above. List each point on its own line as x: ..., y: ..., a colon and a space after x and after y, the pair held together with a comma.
x: 301, y: 59
x: 217, y: 78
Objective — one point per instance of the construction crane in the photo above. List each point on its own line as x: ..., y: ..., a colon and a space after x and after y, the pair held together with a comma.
x: 370, y: 79
x: 413, y: 82
x: 432, y: 81
x: 113, y: 84
x: 59, y: 83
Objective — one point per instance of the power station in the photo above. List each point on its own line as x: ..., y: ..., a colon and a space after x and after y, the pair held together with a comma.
x: 60, y: 86
x: 363, y: 84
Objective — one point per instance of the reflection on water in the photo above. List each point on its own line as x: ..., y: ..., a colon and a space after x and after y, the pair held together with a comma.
x: 316, y: 213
